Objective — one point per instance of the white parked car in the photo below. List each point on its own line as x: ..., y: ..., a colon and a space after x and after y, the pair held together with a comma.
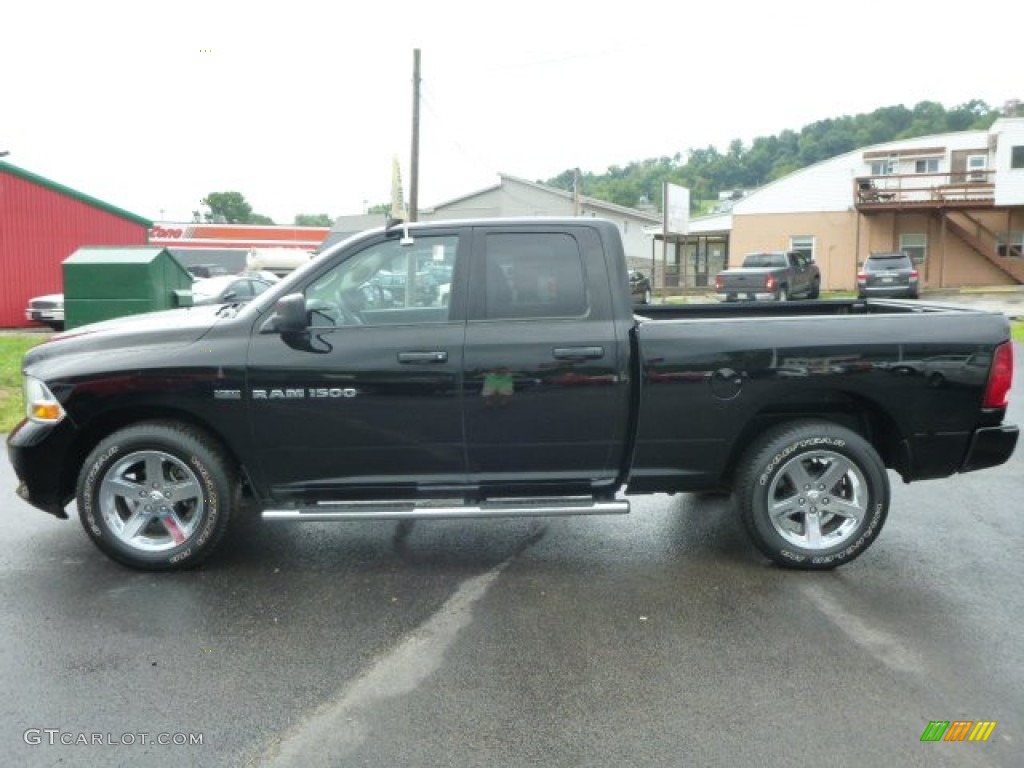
x: 228, y: 289
x: 48, y: 309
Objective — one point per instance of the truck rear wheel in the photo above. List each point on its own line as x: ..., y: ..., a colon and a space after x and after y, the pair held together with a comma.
x: 156, y: 496
x: 812, y: 494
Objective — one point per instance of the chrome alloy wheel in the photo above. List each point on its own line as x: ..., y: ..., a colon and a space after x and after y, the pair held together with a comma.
x: 817, y: 500
x: 151, y: 501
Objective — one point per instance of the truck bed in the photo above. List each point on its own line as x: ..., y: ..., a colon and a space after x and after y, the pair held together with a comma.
x: 714, y: 373
x: 828, y: 308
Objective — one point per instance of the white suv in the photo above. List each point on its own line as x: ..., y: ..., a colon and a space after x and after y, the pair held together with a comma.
x: 47, y: 309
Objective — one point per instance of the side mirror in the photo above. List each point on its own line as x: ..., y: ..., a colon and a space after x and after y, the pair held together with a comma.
x: 290, y: 315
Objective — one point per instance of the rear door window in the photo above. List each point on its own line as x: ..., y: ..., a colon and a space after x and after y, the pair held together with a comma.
x: 533, y: 275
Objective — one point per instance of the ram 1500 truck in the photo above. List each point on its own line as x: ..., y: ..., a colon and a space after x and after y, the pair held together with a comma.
x: 527, y: 386
x: 771, y: 276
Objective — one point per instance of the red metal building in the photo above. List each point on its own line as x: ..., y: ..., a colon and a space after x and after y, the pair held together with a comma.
x: 41, y: 224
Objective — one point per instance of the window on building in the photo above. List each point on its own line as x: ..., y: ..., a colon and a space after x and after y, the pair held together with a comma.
x: 804, y: 245
x: 928, y: 165
x: 976, y: 165
x: 915, y: 246
x: 887, y: 167
x: 1010, y: 244
x: 1017, y: 157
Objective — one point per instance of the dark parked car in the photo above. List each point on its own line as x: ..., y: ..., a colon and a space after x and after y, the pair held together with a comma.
x: 228, y: 289
x: 888, y: 274
x: 640, y: 287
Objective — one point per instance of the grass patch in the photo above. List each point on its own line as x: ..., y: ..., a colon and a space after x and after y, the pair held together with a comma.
x: 12, y: 348
x: 1017, y: 330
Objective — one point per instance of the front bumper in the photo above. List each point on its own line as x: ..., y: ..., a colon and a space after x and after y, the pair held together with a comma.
x: 45, y: 315
x: 39, y: 453
x: 990, y: 446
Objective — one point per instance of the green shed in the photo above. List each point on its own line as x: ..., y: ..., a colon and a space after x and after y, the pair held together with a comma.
x: 103, y: 283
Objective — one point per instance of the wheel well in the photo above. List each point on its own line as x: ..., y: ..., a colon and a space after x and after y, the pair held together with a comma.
x: 108, y: 423
x: 859, y: 414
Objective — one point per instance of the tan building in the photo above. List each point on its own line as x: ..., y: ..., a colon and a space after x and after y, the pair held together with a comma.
x: 954, y: 202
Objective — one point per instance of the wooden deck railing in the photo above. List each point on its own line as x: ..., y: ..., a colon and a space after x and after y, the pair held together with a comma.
x: 924, y: 188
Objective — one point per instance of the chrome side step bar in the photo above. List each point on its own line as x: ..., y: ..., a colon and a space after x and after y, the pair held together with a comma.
x: 425, y: 510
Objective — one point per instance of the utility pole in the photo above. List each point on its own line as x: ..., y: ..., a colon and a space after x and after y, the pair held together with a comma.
x: 414, y: 172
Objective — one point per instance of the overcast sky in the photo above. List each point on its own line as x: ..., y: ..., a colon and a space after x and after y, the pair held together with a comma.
x: 300, y: 106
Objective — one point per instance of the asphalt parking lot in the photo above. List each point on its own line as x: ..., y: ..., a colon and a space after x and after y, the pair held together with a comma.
x: 658, y: 638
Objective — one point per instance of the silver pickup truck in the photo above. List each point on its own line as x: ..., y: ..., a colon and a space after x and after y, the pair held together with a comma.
x: 770, y: 276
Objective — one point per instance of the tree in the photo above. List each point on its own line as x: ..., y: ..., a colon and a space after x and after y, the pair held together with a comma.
x: 232, y: 208
x: 313, y: 220
x: 708, y: 171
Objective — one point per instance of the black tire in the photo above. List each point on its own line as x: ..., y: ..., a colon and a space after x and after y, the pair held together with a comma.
x: 783, y: 293
x: 822, y: 524
x: 815, y: 290
x: 172, y: 522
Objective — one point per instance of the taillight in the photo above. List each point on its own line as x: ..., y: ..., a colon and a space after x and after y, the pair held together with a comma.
x: 914, y: 275
x: 862, y: 277
x: 769, y: 282
x: 719, y: 282
x: 1000, y: 377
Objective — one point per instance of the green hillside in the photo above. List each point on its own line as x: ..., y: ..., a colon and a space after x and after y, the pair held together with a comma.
x: 708, y: 171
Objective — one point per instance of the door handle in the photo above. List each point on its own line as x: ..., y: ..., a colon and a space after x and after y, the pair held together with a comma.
x: 423, y: 358
x: 578, y: 353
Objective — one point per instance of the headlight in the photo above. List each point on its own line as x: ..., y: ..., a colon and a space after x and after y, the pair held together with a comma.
x: 40, y: 404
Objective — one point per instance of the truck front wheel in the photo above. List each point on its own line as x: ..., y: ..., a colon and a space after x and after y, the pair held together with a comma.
x: 812, y: 494
x: 156, y: 496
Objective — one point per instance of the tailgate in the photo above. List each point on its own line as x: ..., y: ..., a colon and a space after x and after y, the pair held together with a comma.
x: 888, y: 278
x: 752, y: 280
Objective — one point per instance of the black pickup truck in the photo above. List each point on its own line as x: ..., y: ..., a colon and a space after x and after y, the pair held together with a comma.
x: 525, y: 385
